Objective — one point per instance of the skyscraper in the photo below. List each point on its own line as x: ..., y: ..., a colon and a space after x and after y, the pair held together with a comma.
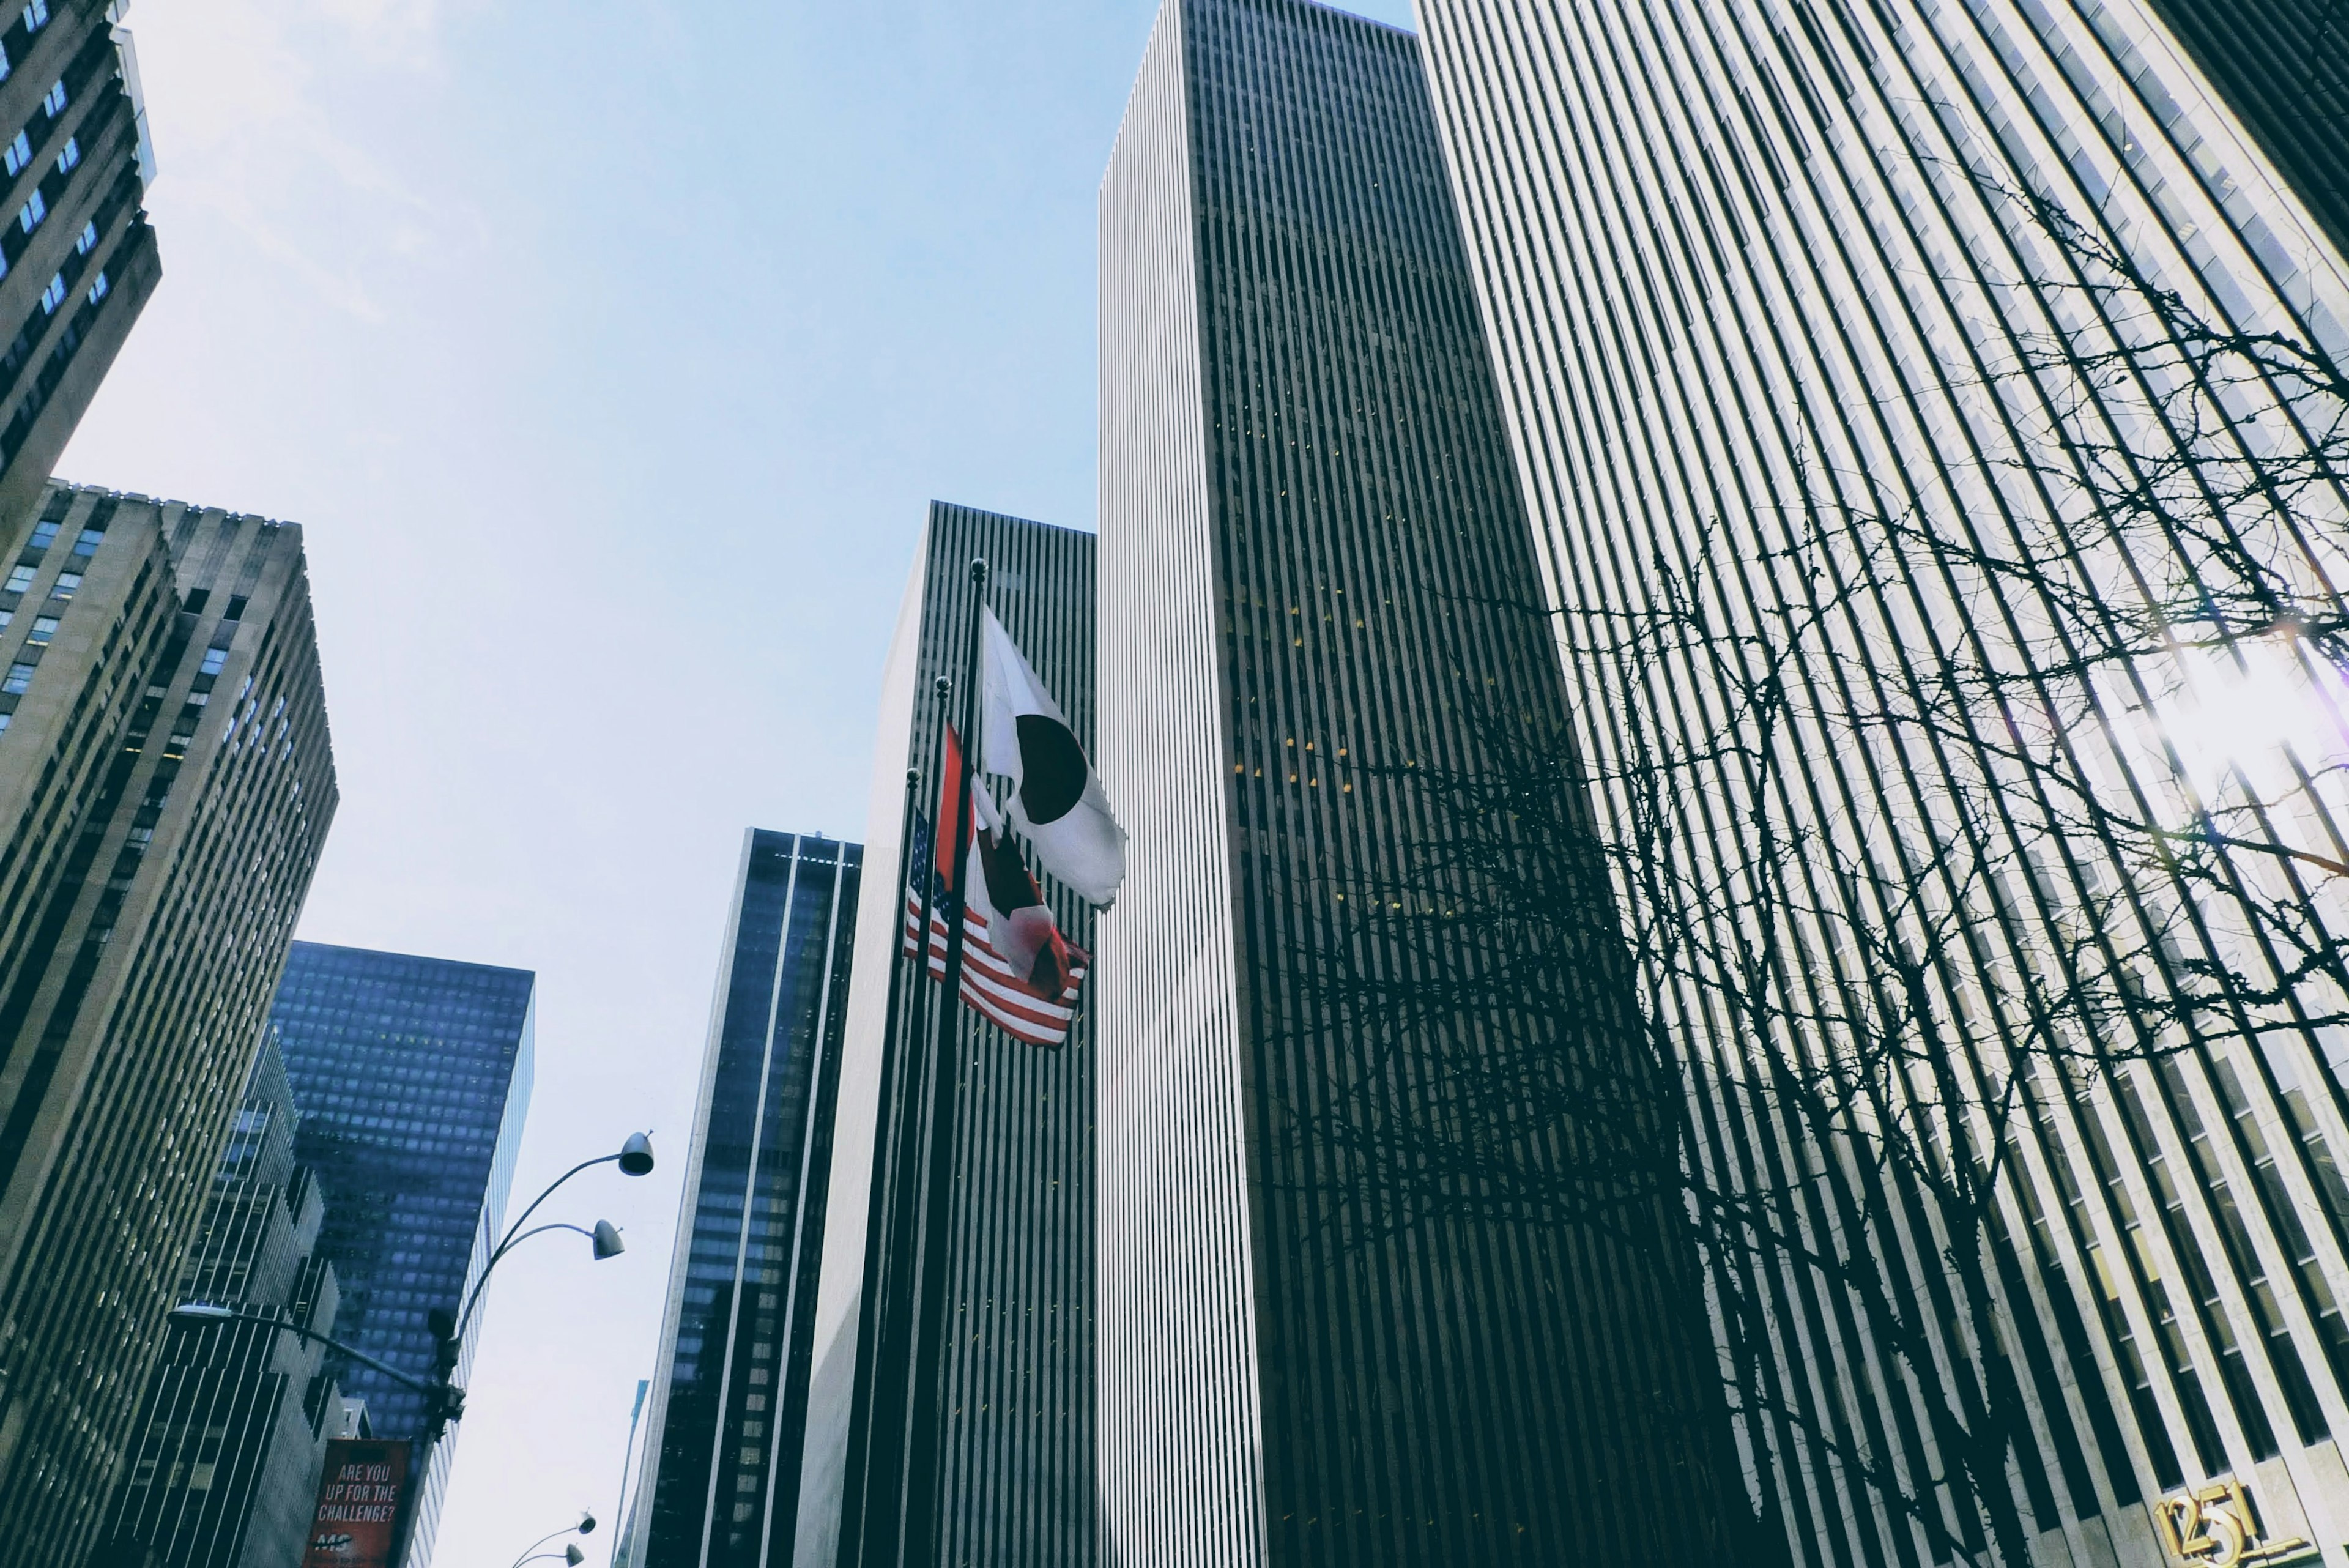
x: 1316, y: 581
x: 2283, y: 66
x: 722, y: 1475
x: 224, y: 1471
x: 80, y: 260
x: 991, y: 1444
x: 413, y: 1075
x: 166, y: 782
x: 1934, y: 426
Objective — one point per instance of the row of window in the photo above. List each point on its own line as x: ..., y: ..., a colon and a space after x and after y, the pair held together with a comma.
x: 43, y: 629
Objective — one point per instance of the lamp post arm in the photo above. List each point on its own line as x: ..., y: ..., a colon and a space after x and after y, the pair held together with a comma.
x: 517, y: 1224
x: 510, y: 1242
x: 361, y: 1357
x: 531, y: 1553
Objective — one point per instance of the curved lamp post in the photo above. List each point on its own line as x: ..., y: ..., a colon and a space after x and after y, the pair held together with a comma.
x: 635, y: 1158
x: 570, y: 1553
x: 446, y: 1400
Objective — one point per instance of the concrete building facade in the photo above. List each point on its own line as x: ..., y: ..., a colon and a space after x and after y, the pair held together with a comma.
x: 1318, y: 586
x: 984, y: 1453
x: 166, y: 780
x: 77, y: 259
x: 1931, y: 424
x: 224, y: 1471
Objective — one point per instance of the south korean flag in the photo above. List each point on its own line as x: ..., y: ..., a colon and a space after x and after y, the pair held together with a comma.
x: 1058, y: 802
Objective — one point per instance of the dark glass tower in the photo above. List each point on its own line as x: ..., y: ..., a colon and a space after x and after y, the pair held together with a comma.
x: 413, y: 1075
x: 722, y: 1446
x: 225, y: 1471
x: 1316, y: 576
x: 166, y: 782
x: 2282, y: 66
x: 1003, y: 1470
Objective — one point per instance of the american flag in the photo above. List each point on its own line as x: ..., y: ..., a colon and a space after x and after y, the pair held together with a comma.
x: 989, y: 984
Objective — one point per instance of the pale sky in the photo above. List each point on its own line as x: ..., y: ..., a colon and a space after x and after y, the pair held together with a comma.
x: 607, y: 353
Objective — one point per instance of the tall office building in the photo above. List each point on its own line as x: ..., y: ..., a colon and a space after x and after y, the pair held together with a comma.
x: 224, y: 1471
x: 77, y: 258
x: 1315, y: 577
x: 1003, y: 1470
x: 722, y: 1475
x: 166, y: 782
x: 413, y: 1075
x: 1932, y: 420
x: 2283, y: 66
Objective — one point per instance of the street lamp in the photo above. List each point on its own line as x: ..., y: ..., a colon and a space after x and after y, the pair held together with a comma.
x: 635, y: 1158
x: 570, y: 1553
x: 446, y: 1401
x: 199, y: 1314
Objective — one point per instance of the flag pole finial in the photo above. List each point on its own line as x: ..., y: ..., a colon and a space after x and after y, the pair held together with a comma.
x: 979, y: 569
x: 913, y: 776
x: 942, y: 686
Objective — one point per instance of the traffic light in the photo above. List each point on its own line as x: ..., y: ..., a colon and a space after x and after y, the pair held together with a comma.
x: 442, y: 1324
x: 447, y: 1403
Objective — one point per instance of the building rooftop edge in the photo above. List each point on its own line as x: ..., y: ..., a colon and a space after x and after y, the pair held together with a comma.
x: 530, y: 974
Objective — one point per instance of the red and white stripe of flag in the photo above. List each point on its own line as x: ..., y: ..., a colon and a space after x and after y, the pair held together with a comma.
x: 988, y: 982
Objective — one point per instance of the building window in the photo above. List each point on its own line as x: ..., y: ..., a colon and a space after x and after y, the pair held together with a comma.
x: 55, y: 295
x: 98, y: 289
x: 19, y: 677
x: 87, y: 544
x: 19, y: 580
x: 5, y: 717
x: 64, y: 587
x: 43, y: 532
x: 54, y: 100
x: 69, y: 156
x: 86, y: 241
x: 18, y: 154
x: 45, y: 627
x: 213, y: 658
x: 36, y: 15
x: 30, y: 214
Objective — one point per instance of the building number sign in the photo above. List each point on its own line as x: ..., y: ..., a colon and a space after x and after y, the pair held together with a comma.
x: 2216, y: 1527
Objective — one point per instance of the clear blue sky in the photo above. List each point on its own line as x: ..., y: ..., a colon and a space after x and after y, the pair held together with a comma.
x: 608, y: 351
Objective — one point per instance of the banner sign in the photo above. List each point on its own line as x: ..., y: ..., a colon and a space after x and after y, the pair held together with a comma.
x: 359, y: 1493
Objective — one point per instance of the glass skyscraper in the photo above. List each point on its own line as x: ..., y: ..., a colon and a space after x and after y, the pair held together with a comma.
x: 1933, y: 422
x: 412, y: 1075
x: 722, y: 1443
x: 1316, y: 581
x: 987, y: 1442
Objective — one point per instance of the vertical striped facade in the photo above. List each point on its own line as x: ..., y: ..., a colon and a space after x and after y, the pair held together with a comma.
x: 1887, y: 336
x: 720, y: 1486
x: 224, y: 1472
x: 166, y: 782
x: 1008, y: 1466
x: 1316, y: 574
x: 2283, y: 66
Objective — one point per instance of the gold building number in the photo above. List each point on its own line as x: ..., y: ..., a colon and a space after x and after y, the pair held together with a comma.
x: 2216, y: 1527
